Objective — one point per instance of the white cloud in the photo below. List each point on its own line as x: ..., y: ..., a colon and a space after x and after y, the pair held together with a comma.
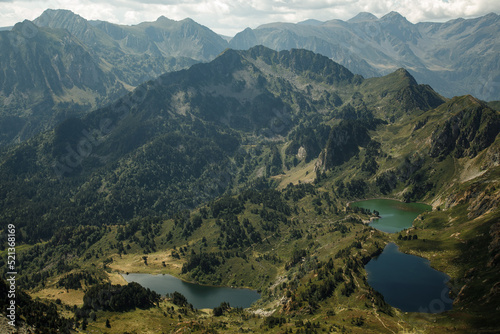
x: 229, y: 17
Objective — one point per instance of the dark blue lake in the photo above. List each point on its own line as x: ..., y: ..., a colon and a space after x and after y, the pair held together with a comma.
x: 408, y: 282
x: 200, y: 296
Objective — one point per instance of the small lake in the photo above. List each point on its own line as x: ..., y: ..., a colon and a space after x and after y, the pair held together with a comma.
x: 408, y: 282
x: 394, y: 215
x: 200, y: 296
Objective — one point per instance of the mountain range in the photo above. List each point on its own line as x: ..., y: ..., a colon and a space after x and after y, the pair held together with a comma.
x: 61, y: 65
x: 239, y: 96
x: 218, y: 172
x: 456, y: 57
x: 237, y: 171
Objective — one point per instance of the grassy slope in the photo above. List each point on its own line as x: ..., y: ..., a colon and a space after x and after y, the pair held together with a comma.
x: 448, y: 235
x: 445, y: 237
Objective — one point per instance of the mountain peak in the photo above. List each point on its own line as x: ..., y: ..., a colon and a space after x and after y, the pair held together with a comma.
x: 491, y: 15
x: 490, y: 18
x: 464, y: 101
x: 310, y: 22
x: 163, y: 19
x: 363, y: 16
x: 244, y: 40
x: 58, y: 14
x: 403, y: 73
x: 26, y: 28
x: 189, y: 21
x: 393, y: 17
x: 227, y: 61
x: 53, y: 12
x: 62, y: 18
x: 22, y: 25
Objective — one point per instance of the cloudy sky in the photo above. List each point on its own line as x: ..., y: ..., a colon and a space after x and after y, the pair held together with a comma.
x: 231, y: 16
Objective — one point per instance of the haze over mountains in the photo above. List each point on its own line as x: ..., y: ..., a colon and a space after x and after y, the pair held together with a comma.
x: 192, y: 135
x: 456, y: 57
x: 238, y: 172
x: 165, y: 151
x: 65, y: 65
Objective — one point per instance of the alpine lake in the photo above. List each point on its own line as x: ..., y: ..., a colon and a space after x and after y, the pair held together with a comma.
x: 200, y: 296
x: 406, y: 281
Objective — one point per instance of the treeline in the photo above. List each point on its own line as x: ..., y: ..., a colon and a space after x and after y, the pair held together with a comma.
x: 149, y: 228
x: 57, y: 256
x: 327, y: 280
x: 235, y: 233
x: 357, y: 209
x: 227, y: 205
x: 174, y: 171
x: 411, y: 173
x: 299, y: 191
x: 118, y: 298
x: 207, y: 263
x: 325, y: 277
x: 74, y: 280
x: 269, y: 198
x: 355, y: 188
x: 42, y: 316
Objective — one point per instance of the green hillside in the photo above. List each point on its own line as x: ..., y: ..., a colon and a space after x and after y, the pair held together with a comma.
x: 239, y: 172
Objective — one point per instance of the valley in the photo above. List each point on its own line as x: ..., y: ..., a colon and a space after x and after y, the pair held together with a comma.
x: 238, y: 172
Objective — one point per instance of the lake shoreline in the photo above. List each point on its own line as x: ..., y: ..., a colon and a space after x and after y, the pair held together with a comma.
x: 185, y: 281
x: 391, y: 215
x: 398, y: 287
x: 388, y: 198
x: 200, y: 296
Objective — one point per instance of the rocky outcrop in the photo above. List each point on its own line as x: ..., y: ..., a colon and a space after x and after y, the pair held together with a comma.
x: 343, y: 143
x: 466, y: 132
x: 494, y: 250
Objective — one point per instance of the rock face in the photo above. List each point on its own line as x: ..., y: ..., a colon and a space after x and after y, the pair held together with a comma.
x: 467, y: 131
x: 343, y: 143
x: 49, y: 61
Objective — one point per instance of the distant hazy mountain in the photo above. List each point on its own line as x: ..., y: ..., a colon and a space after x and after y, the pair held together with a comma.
x: 457, y: 57
x: 62, y: 65
x: 47, y: 75
x: 143, y: 51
